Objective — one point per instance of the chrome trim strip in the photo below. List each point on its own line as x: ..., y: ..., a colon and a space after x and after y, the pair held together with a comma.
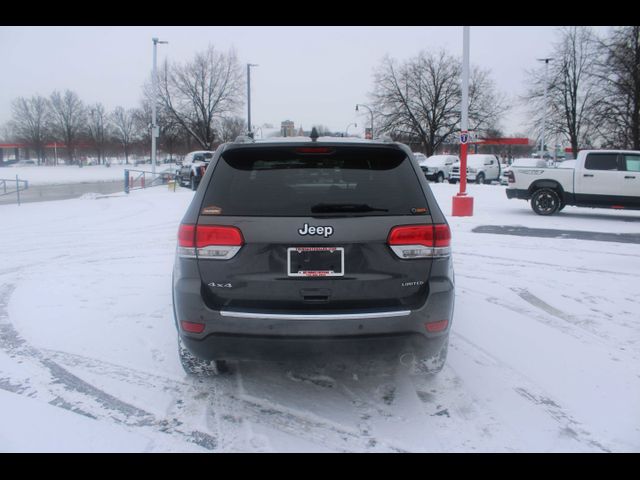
x: 330, y: 316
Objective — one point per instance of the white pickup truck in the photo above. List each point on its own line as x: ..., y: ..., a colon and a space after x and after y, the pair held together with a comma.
x: 597, y: 178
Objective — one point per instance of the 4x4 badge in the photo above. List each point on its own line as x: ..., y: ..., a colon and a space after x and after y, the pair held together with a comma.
x: 307, y: 230
x: 220, y: 285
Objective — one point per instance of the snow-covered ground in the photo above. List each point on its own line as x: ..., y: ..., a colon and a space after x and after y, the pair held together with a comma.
x: 544, y: 349
x: 62, y: 174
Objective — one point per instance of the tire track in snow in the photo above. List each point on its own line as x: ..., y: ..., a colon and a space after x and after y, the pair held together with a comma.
x: 88, y: 400
x: 525, y: 388
x: 515, y: 262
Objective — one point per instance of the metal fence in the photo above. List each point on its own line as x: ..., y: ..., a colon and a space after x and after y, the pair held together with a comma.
x: 139, y: 179
x: 13, y: 187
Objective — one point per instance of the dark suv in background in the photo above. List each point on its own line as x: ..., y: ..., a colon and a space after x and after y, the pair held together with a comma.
x: 193, y: 168
x: 299, y: 247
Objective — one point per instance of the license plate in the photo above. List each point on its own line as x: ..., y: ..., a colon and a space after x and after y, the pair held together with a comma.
x: 315, y: 261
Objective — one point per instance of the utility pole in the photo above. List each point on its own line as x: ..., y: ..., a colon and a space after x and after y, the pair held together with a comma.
x: 249, y: 65
x: 462, y: 204
x: 544, y: 110
x: 154, y: 127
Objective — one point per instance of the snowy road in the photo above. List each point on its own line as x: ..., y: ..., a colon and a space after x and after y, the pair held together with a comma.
x: 545, y: 349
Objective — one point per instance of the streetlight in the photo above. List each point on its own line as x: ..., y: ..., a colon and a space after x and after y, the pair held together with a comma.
x: 462, y: 204
x: 544, y: 110
x: 346, y: 132
x: 154, y: 127
x: 249, y: 65
x: 370, y: 111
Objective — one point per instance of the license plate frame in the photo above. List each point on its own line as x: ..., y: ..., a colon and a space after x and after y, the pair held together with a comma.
x: 315, y: 273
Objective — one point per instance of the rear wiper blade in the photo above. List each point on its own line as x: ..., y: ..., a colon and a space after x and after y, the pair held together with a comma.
x: 345, y: 207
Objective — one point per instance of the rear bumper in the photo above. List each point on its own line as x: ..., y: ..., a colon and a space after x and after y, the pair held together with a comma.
x: 517, y: 193
x: 236, y: 335
x: 260, y: 347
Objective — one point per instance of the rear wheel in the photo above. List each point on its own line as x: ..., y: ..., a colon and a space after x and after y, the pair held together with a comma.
x: 480, y: 178
x: 431, y: 365
x: 192, y: 183
x: 198, y: 367
x: 545, y: 201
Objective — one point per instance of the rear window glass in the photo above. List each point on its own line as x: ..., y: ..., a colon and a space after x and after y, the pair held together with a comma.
x: 345, y: 182
x: 601, y: 161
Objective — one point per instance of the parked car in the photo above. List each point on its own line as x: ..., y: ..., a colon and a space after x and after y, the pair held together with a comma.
x: 596, y: 178
x: 481, y: 168
x: 25, y: 163
x: 438, y: 167
x: 193, y: 168
x: 299, y: 247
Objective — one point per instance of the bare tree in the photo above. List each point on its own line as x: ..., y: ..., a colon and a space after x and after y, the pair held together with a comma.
x: 421, y: 98
x: 572, y: 89
x: 322, y: 130
x: 30, y: 118
x: 98, y: 128
x: 199, y: 93
x: 124, y: 128
x: 618, y: 72
x: 231, y: 127
x: 68, y: 119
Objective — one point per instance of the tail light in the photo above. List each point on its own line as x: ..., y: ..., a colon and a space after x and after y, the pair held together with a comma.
x: 420, y: 241
x: 212, y: 242
x: 203, y: 169
x: 511, y: 177
x: 435, y: 327
x: 192, y: 327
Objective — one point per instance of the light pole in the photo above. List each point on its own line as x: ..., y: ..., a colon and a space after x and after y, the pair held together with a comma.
x: 462, y: 205
x: 544, y: 109
x: 346, y: 132
x: 249, y: 65
x: 154, y: 127
x: 371, y: 112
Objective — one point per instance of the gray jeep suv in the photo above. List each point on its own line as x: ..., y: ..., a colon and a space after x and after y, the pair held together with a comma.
x: 297, y: 247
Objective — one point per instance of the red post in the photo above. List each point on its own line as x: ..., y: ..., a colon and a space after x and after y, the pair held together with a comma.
x: 463, y: 169
x: 462, y: 205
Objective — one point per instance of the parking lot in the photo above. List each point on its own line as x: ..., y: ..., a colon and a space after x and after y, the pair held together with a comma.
x: 544, y: 350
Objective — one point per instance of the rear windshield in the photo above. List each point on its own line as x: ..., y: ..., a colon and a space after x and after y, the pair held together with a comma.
x: 344, y: 182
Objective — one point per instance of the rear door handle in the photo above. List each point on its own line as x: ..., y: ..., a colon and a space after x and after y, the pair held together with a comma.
x: 587, y: 175
x: 629, y: 176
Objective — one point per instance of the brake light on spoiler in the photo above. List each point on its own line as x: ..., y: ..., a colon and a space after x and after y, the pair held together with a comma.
x: 420, y: 241
x: 209, y: 242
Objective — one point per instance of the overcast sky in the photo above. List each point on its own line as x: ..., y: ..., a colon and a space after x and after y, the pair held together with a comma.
x: 310, y: 75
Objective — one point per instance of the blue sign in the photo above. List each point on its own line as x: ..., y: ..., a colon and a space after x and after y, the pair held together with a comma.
x: 464, y: 137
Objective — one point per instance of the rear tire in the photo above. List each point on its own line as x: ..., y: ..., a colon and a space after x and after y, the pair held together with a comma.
x: 432, y: 365
x: 545, y: 201
x: 192, y: 183
x: 193, y: 365
x: 480, y: 179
